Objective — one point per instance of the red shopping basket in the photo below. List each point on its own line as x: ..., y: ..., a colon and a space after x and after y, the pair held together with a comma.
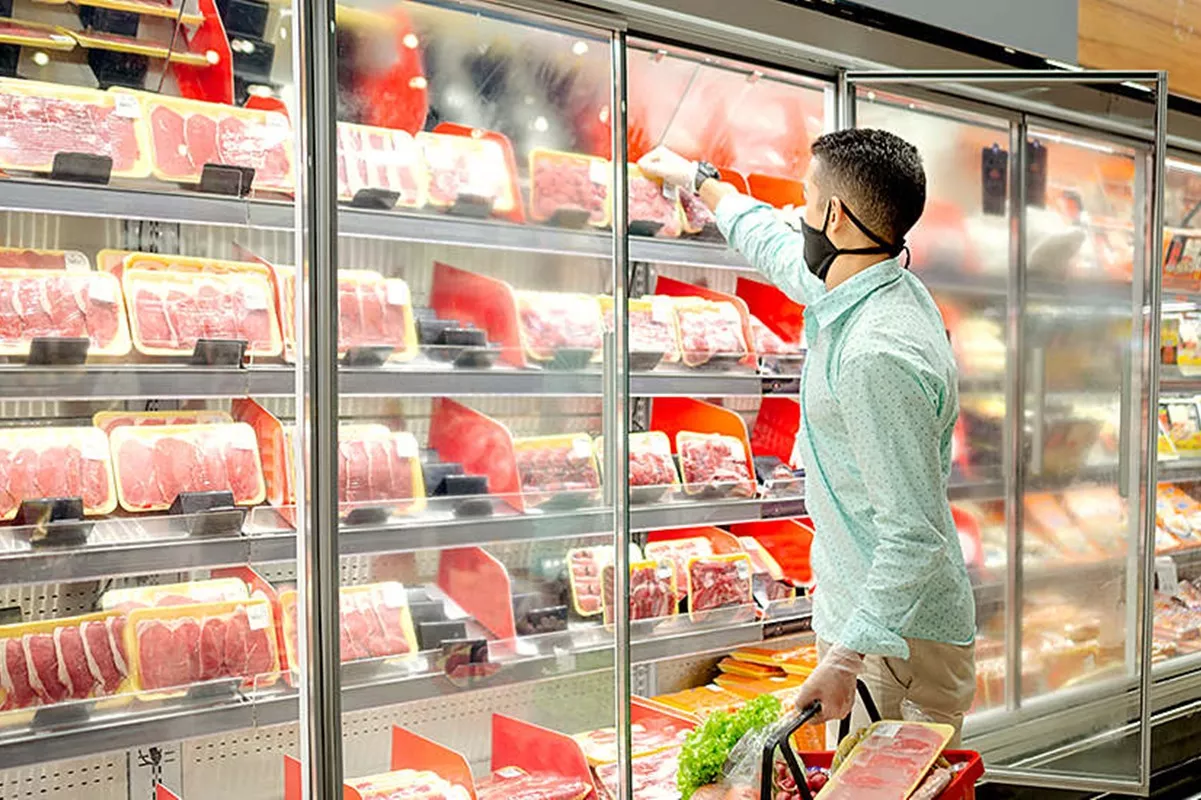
x: 961, y: 787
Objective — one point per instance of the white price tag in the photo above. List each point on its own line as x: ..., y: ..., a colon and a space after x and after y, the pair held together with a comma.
x: 744, y: 571
x: 671, y: 193
x: 94, y: 448
x: 75, y: 260
x: 598, y: 172
x: 274, y: 119
x: 581, y: 448
x: 393, y: 595
x: 255, y: 298
x: 102, y: 290
x: 1166, y: 578
x: 661, y: 310
x: 886, y: 730
x: 406, y: 445
x: 397, y: 292
x: 126, y: 105
x: 258, y: 615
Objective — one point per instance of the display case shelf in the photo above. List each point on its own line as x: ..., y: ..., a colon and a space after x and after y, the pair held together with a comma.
x: 1172, y: 380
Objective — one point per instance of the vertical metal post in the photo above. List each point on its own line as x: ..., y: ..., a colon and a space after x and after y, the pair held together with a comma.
x: 316, y: 238
x: 1151, y: 321
x: 844, y: 101
x: 617, y: 389
x: 1013, y: 462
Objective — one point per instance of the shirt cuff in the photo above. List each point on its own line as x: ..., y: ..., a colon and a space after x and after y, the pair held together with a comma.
x: 864, y: 634
x: 731, y: 207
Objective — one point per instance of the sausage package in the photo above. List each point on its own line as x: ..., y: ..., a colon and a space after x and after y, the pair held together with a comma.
x: 215, y: 590
x: 677, y: 552
x: 560, y: 468
x: 382, y: 159
x: 155, y: 464
x: 707, y: 329
x: 714, y: 464
x: 375, y: 622
x: 569, y: 182
x: 718, y: 582
x: 463, y: 166
x: 40, y: 463
x: 43, y: 303
x: 652, y: 590
x: 654, y: 206
x: 171, y: 647
x: 553, y: 321
x: 109, y: 420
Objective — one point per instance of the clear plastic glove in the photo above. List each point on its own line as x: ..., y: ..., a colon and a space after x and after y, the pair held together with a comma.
x: 670, y: 167
x: 832, y: 684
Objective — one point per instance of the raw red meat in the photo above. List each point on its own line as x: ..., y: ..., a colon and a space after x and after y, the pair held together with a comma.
x: 717, y: 581
x: 8, y: 503
x: 23, y: 481
x: 585, y: 565
x: 14, y: 676
x: 650, y: 460
x: 138, y: 485
x: 201, y: 134
x: 375, y: 466
x: 678, y: 552
x: 46, y: 674
x: 167, y: 136
x: 26, y: 258
x: 714, y: 463
x: 696, y: 214
x: 162, y: 664
x: 459, y: 166
x: 652, y: 333
x: 150, y: 311
x: 654, y: 776
x: 242, y: 468
x: 71, y: 654
x: 768, y: 342
x: 371, y: 622
x: 260, y: 145
x: 887, y: 763
x: 73, y: 463
x: 551, y: 321
x: 647, y: 204
x: 212, y: 648
x: 568, y: 181
x: 116, y: 640
x: 393, y: 639
x: 708, y: 329
x: 378, y: 158
x: 651, y: 592
x: 100, y: 655
x: 550, y: 467
x: 511, y: 784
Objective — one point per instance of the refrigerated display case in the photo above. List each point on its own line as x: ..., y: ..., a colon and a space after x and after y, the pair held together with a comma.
x: 359, y: 362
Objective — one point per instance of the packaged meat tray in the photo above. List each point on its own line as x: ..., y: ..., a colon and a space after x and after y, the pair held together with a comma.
x: 1178, y: 514
x: 761, y: 560
x: 56, y: 660
x: 652, y: 590
x: 793, y: 659
x: 768, y: 342
x: 569, y: 182
x: 379, y: 468
x: 732, y: 666
x: 701, y: 701
x: 677, y: 552
x: 1183, y: 423
x: 375, y: 622
x: 584, y: 574
x: 185, y: 135
x: 40, y: 120
x: 41, y: 303
x: 718, y: 581
x: 559, y: 468
x: 511, y: 783
x: 406, y: 784
x: 171, y: 647
x: 466, y: 167
x: 118, y: 261
x: 380, y: 158
x: 654, y: 776
x: 748, y: 688
x: 554, y: 321
x: 155, y: 464
x: 652, y: 330
x: 697, y: 215
x: 600, y: 746
x: 215, y: 590
x: 40, y: 463
x: 708, y: 329
x: 171, y: 311
x: 109, y: 420
x: 29, y: 258
x: 651, y: 207
x: 713, y: 464
x: 889, y: 761
x: 652, y: 471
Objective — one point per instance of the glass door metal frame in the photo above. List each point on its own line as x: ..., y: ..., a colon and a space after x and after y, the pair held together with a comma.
x: 1140, y: 472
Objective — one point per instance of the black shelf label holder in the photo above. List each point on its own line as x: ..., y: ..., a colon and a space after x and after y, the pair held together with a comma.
x: 45, y: 351
x: 81, y: 168
x: 204, y: 514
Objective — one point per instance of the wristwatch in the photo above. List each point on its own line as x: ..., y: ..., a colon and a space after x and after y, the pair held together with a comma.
x: 705, y: 171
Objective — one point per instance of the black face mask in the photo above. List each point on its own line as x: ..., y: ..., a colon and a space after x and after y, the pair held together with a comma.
x: 820, y: 252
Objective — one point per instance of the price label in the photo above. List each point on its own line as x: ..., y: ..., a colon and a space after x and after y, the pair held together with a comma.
x: 661, y: 310
x: 102, y: 289
x: 397, y: 291
x: 671, y: 193
x: 598, y: 172
x: 255, y: 298
x: 406, y: 445
x: 744, y: 571
x: 274, y: 119
x: 75, y: 260
x: 258, y: 615
x: 126, y: 105
x: 393, y: 595
x: 886, y: 730
x: 94, y: 448
x: 581, y: 448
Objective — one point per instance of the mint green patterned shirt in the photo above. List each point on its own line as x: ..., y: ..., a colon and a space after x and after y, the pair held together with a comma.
x: 879, y: 401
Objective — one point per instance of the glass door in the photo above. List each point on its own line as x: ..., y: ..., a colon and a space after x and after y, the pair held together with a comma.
x: 1035, y: 244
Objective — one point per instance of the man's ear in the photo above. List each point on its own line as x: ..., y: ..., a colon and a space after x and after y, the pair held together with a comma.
x: 835, y: 218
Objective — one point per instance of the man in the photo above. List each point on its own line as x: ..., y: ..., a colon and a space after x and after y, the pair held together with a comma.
x: 879, y: 401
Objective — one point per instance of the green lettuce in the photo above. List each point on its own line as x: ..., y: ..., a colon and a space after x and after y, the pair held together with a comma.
x: 706, y: 748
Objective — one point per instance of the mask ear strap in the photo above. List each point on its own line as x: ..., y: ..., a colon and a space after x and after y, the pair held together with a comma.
x: 891, y: 249
x: 908, y: 255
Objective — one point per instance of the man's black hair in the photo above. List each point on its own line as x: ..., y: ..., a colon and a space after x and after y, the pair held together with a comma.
x: 877, y: 174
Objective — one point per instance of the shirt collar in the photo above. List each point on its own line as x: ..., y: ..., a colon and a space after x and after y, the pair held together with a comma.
x: 848, y: 294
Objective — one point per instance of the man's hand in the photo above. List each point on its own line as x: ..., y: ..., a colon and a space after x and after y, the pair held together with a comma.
x: 832, y: 684
x: 671, y: 168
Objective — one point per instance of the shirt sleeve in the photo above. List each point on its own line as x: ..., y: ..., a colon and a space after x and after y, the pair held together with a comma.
x: 773, y: 248
x: 892, y: 421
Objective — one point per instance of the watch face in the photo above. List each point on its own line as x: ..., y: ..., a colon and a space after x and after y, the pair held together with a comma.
x: 705, y: 171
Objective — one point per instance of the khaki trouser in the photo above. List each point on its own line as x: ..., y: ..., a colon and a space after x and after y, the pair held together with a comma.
x: 938, y: 681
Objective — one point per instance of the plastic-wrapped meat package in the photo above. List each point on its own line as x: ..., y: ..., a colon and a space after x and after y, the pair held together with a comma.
x: 584, y: 574
x: 40, y: 120
x: 155, y: 464
x: 708, y: 329
x: 718, y: 581
x: 62, y: 305
x: 651, y: 464
x: 570, y: 182
x: 700, y: 701
x: 768, y: 342
x: 57, y: 660
x: 378, y: 468
x: 171, y: 311
x: 600, y: 746
x: 173, y: 646
x: 552, y: 466
x: 407, y: 784
x: 552, y: 321
x: 649, y: 205
x: 38, y: 463
x: 652, y: 590
x: 678, y: 552
x: 29, y: 258
x: 380, y: 158
x: 461, y: 166
x: 714, y: 464
x: 510, y: 783
x: 651, y: 324
x: 889, y: 762
x: 654, y: 776
x: 108, y: 420
x: 215, y: 590
x: 696, y: 214
x: 186, y: 135
x: 375, y: 622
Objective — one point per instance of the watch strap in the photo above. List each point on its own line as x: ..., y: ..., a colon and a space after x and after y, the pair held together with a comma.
x: 705, y: 171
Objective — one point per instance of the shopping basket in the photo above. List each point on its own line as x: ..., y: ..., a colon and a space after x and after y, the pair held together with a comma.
x: 961, y: 787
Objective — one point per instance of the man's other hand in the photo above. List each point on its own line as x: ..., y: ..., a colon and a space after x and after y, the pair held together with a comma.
x: 669, y: 167
x: 832, y: 684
